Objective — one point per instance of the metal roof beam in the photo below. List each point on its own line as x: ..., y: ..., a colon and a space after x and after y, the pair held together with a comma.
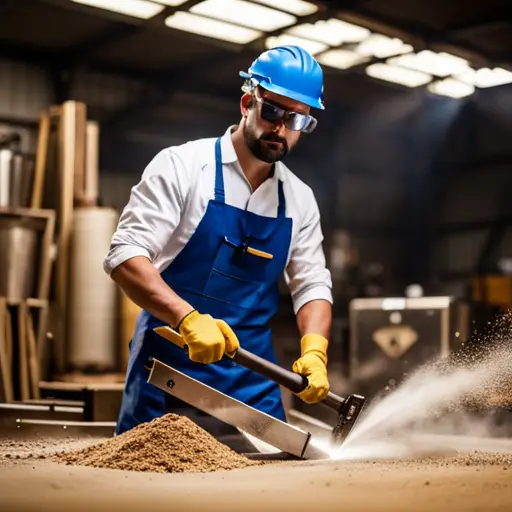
x: 494, y: 21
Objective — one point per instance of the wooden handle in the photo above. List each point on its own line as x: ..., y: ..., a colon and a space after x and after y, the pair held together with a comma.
x: 171, y: 335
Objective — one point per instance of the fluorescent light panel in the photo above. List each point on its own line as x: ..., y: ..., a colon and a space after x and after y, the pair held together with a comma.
x: 341, y: 59
x: 211, y: 28
x: 244, y: 13
x: 136, y: 8
x: 332, y: 32
x: 398, y: 75
x: 439, y: 64
x: 380, y: 46
x: 452, y: 88
x: 486, y: 77
x: 287, y: 39
x: 297, y: 7
x: 171, y: 3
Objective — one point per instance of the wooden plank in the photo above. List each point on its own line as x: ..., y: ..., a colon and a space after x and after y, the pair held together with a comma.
x: 42, y: 213
x: 91, y: 164
x: 79, y: 386
x: 41, y: 341
x: 41, y: 160
x: 36, y: 303
x: 22, y: 352
x: 80, y: 145
x: 31, y: 302
x: 9, y: 342
x: 6, y: 391
x: 33, y: 363
x: 45, y: 260
x: 66, y: 151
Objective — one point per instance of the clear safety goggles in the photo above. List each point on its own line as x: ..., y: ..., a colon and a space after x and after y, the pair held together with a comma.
x: 292, y: 120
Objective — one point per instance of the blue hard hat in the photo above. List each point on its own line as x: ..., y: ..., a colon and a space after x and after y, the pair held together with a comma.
x: 289, y: 71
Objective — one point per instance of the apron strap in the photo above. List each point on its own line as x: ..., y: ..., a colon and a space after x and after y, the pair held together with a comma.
x: 219, y: 177
x: 281, y: 207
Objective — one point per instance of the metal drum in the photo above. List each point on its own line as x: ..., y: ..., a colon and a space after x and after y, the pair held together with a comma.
x: 19, y: 244
x: 16, y: 176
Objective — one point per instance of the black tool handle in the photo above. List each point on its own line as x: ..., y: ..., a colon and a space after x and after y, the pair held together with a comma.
x: 290, y: 380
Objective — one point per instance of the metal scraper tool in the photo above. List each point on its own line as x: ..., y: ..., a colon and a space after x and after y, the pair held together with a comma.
x: 281, y: 435
x: 348, y: 409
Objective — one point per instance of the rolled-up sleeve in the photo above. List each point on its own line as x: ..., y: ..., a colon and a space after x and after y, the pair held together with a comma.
x: 306, y: 274
x: 152, y: 213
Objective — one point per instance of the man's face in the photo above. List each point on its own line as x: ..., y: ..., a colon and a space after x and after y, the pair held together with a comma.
x: 269, y: 141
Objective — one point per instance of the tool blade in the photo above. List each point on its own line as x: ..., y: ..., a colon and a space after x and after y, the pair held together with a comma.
x: 347, y: 417
x: 283, y: 436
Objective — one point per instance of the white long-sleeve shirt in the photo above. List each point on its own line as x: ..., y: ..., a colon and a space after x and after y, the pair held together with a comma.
x: 169, y: 201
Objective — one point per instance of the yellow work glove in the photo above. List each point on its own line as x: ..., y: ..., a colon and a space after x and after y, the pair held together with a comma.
x: 313, y: 364
x: 207, y: 338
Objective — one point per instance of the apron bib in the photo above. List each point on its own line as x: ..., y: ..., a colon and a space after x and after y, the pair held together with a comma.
x: 224, y: 270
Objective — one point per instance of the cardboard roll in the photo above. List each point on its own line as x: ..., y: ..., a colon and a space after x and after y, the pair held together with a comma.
x: 93, y: 294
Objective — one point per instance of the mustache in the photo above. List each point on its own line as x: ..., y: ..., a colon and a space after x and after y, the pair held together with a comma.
x: 270, y: 137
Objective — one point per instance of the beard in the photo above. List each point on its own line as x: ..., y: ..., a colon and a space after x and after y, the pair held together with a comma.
x: 262, y: 148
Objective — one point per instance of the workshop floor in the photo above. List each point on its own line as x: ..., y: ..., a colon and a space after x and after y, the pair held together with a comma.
x: 464, y: 482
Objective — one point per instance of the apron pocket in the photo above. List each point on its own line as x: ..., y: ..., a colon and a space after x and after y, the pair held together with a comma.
x: 243, y: 265
x: 233, y: 290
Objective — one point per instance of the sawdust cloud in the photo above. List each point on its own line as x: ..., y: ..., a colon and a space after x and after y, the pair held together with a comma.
x: 444, y: 406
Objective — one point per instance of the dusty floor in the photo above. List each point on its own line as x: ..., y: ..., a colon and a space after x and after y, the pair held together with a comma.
x: 465, y: 482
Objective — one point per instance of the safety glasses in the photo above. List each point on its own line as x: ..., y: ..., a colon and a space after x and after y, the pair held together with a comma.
x: 292, y: 120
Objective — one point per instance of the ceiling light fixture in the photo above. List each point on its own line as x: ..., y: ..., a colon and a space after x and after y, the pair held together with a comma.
x: 136, y: 8
x: 211, y: 28
x: 486, y: 77
x: 341, y: 59
x: 297, y: 7
x: 451, y: 87
x: 398, y: 75
x: 438, y: 64
x: 240, y: 12
x: 170, y: 3
x: 310, y: 46
x: 332, y: 32
x: 382, y: 47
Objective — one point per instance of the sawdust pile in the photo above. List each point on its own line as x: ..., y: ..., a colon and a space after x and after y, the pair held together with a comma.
x: 169, y: 444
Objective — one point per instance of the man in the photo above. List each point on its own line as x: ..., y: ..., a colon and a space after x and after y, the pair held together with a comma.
x: 205, y: 237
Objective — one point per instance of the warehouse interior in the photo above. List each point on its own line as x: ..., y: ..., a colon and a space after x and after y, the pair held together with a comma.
x: 410, y: 165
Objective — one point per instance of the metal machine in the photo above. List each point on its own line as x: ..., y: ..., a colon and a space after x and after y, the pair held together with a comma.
x: 390, y: 337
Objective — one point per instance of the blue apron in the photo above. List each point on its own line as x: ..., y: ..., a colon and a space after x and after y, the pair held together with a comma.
x: 216, y: 275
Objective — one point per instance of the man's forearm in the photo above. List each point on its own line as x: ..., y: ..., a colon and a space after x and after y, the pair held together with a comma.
x: 142, y: 283
x: 315, y: 317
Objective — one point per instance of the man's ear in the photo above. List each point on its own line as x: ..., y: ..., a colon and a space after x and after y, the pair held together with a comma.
x: 246, y: 103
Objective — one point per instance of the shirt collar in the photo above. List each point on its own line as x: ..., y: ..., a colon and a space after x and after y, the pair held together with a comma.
x: 229, y: 154
x: 226, y: 146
